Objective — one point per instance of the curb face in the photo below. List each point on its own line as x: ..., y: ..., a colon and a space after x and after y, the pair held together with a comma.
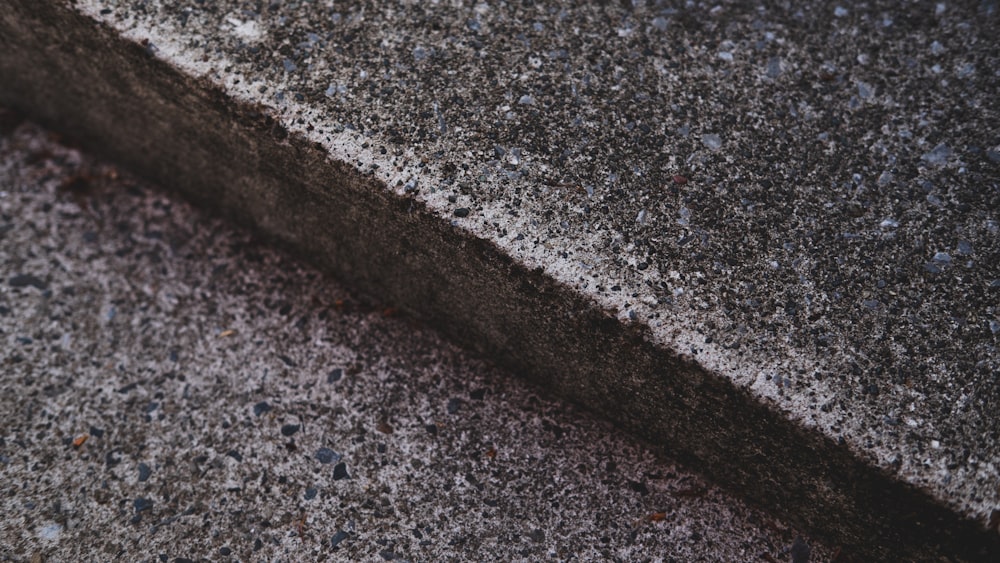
x: 390, y: 241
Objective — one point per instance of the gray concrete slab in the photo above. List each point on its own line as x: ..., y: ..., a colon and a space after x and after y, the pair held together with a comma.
x: 172, y: 389
x: 765, y: 236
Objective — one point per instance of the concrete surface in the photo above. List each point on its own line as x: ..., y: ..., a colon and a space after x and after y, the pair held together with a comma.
x: 791, y: 212
x: 231, y: 404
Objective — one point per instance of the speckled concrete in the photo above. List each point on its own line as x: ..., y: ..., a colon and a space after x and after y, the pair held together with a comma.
x: 172, y: 389
x: 801, y: 202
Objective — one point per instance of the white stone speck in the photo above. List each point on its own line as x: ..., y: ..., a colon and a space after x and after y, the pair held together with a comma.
x: 245, y: 30
x: 712, y: 141
x: 50, y: 532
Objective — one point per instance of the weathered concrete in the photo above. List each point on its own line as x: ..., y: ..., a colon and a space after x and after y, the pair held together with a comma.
x: 791, y: 212
x: 207, y: 374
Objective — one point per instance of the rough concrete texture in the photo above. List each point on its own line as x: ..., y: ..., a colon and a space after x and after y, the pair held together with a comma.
x: 171, y: 389
x: 797, y: 206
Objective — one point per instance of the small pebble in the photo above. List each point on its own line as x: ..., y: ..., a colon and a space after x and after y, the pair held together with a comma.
x: 865, y: 91
x: 774, y: 67
x: 712, y: 141
x: 290, y: 429
x: 326, y: 455
x: 339, y: 537
x: 938, y: 156
x: 340, y: 472
x: 800, y: 551
x: 261, y: 408
x: 25, y: 280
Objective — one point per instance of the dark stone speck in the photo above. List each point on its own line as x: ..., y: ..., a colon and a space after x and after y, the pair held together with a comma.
x: 261, y: 408
x: 326, y: 455
x: 800, y: 551
x: 142, y: 504
x: 638, y: 487
x: 335, y: 375
x: 338, y: 538
x: 25, y: 280
x: 144, y: 472
x: 340, y: 472
x: 454, y: 405
x: 289, y: 429
x: 462, y: 212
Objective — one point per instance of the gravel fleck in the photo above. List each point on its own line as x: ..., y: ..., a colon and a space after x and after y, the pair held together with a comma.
x: 339, y: 537
x: 712, y: 141
x: 25, y: 280
x: 326, y: 455
x: 938, y: 156
x: 340, y: 472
